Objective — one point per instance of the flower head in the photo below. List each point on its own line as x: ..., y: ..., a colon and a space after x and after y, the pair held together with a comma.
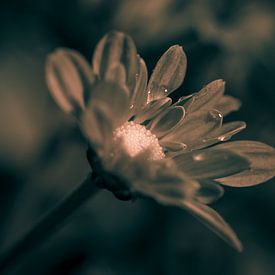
x: 142, y: 144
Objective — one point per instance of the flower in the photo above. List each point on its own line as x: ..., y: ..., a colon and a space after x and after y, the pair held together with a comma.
x: 143, y: 144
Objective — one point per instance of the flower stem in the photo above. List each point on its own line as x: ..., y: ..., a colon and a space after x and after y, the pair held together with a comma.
x: 50, y: 222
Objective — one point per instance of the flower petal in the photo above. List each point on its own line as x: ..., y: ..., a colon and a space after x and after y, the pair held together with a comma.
x: 69, y: 77
x: 152, y: 109
x: 211, y: 163
x: 185, y: 101
x: 172, y: 146
x: 168, y: 191
x: 195, y: 127
x: 97, y: 126
x: 168, y: 74
x: 139, y: 98
x: 223, y: 133
x: 208, y: 97
x: 220, y: 134
x: 113, y: 49
x: 208, y: 192
x: 168, y: 121
x: 116, y: 74
x: 262, y: 159
x: 214, y: 221
x: 228, y: 104
x: 115, y: 97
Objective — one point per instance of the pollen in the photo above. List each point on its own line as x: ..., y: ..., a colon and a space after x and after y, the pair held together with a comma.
x: 136, y: 139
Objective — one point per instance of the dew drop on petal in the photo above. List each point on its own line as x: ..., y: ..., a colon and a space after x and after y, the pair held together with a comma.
x: 198, y: 157
x: 164, y: 89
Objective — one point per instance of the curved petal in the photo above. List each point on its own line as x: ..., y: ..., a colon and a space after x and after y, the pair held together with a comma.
x: 172, y: 146
x: 203, y: 213
x: 196, y: 127
x: 168, y: 74
x: 223, y: 133
x: 209, y: 192
x: 114, y: 97
x: 185, y: 101
x: 116, y: 74
x: 113, y: 49
x: 262, y: 159
x: 208, y: 97
x: 169, y: 190
x: 152, y: 109
x: 214, y: 221
x: 167, y: 122
x: 69, y: 77
x: 139, y: 97
x: 211, y: 163
x: 220, y: 134
x: 228, y: 104
x: 97, y: 126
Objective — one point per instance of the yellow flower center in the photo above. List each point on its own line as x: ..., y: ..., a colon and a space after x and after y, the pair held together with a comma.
x: 137, y: 139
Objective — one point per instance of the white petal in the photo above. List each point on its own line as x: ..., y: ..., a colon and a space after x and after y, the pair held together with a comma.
x: 167, y: 121
x: 97, y: 126
x: 219, y: 134
x: 168, y: 74
x: 69, y: 78
x: 228, y: 104
x: 211, y: 163
x: 139, y: 98
x: 214, y: 221
x: 223, y: 133
x: 185, y: 101
x: 262, y: 159
x: 172, y: 146
x: 207, y: 97
x: 115, y: 97
x: 152, y: 109
x: 116, y: 74
x: 196, y: 127
x: 113, y: 49
x: 169, y: 190
x: 209, y: 192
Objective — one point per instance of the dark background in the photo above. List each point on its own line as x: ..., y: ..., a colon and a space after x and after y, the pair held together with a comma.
x: 42, y: 154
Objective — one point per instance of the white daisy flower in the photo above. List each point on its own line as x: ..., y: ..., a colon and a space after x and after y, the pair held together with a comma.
x: 143, y: 144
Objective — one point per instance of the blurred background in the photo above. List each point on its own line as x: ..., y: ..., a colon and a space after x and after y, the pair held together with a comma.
x: 42, y: 153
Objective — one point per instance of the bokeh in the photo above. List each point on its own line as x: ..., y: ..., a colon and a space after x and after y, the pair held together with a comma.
x: 43, y: 155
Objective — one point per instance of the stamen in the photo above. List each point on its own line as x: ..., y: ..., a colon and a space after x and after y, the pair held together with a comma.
x: 136, y: 138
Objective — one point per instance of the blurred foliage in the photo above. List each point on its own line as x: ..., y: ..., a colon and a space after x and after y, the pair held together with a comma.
x: 42, y: 154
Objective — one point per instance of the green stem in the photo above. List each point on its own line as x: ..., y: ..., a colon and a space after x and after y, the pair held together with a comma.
x: 49, y: 223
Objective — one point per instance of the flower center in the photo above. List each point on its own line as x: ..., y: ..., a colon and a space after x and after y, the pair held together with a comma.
x: 136, y: 139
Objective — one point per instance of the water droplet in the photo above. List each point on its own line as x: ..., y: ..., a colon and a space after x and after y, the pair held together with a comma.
x: 224, y: 138
x: 164, y: 89
x: 198, y: 157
